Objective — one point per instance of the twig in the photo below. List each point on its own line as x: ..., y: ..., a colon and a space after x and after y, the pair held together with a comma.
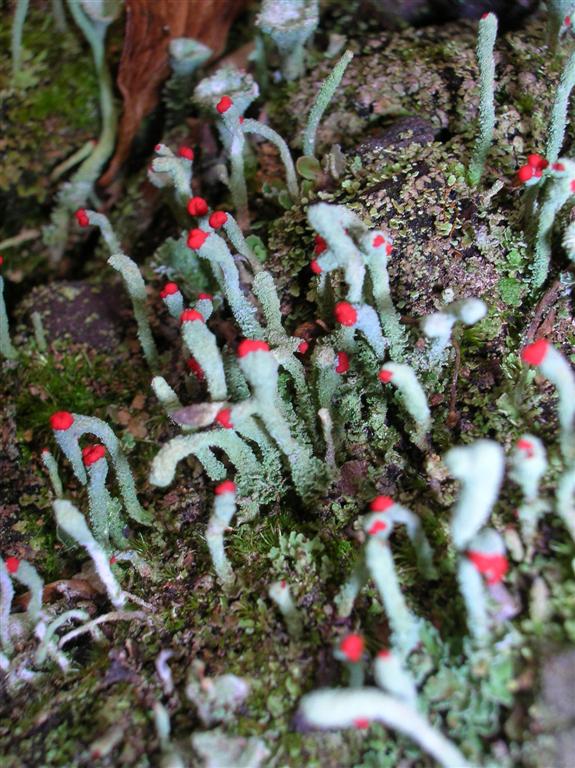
x: 90, y: 625
x: 547, y: 300
x: 453, y: 415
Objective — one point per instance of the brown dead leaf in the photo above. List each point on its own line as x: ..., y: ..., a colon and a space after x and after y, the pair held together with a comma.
x: 123, y: 417
x: 137, y: 426
x: 139, y: 401
x: 72, y: 589
x: 144, y: 66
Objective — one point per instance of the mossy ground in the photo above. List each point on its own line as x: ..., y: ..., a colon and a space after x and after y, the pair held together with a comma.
x: 446, y: 236
x: 48, y: 112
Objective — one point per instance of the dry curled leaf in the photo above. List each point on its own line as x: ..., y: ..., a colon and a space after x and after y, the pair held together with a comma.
x: 197, y: 415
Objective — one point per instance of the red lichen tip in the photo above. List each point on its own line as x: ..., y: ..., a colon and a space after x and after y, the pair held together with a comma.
x: 82, y: 217
x: 378, y: 527
x: 61, y: 420
x: 303, y: 347
x: 218, y: 219
x: 197, y: 206
x: 537, y: 161
x: 320, y: 245
x: 342, y: 362
x: 525, y: 173
x: 283, y: 583
x: 226, y: 487
x: 352, y: 647
x: 361, y: 723
x: 572, y: 186
x: 168, y: 290
x: 558, y: 167
x: 196, y: 238
x: 223, y: 418
x: 157, y: 148
x: 224, y: 104
x: 493, y: 567
x: 315, y: 267
x: 1, y: 260
x: 378, y: 241
x: 526, y: 446
x: 92, y: 453
x: 345, y: 313
x: 247, y: 346
x: 381, y: 503
x: 567, y: 21
x: 186, y: 152
x: 205, y: 297
x: 534, y: 354
x: 113, y: 560
x: 385, y: 376
x: 384, y: 654
x: 12, y: 564
x: 191, y: 315
x: 484, y: 16
x: 195, y: 368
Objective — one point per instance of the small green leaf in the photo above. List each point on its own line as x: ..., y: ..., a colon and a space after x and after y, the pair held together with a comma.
x: 309, y: 168
x: 257, y: 246
x: 285, y: 200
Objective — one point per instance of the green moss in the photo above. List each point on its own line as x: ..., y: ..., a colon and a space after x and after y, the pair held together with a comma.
x: 52, y: 113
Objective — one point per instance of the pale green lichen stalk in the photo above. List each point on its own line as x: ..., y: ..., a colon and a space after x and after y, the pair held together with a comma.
x: 169, y: 168
x: 557, y: 11
x: 187, y: 55
x: 69, y: 428
x: 93, y: 19
x: 557, y: 369
x: 133, y: 281
x: 6, y: 596
x: 321, y: 103
x: 280, y: 593
x: 559, y: 112
x: 439, y: 326
x: 528, y: 465
x: 484, y: 561
x: 403, y: 377
x: 392, y: 676
x: 203, y: 346
x: 27, y: 575
x: 378, y: 563
x: 7, y: 349
x: 485, y: 58
x: 479, y: 468
x: 290, y: 24
x: 20, y: 13
x: 214, y: 249
x: 72, y: 522
x: 218, y: 524
x: 559, y: 188
x: 255, y: 126
x: 336, y: 708
x: 51, y: 465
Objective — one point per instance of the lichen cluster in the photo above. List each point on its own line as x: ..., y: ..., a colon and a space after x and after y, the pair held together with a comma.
x: 343, y: 423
